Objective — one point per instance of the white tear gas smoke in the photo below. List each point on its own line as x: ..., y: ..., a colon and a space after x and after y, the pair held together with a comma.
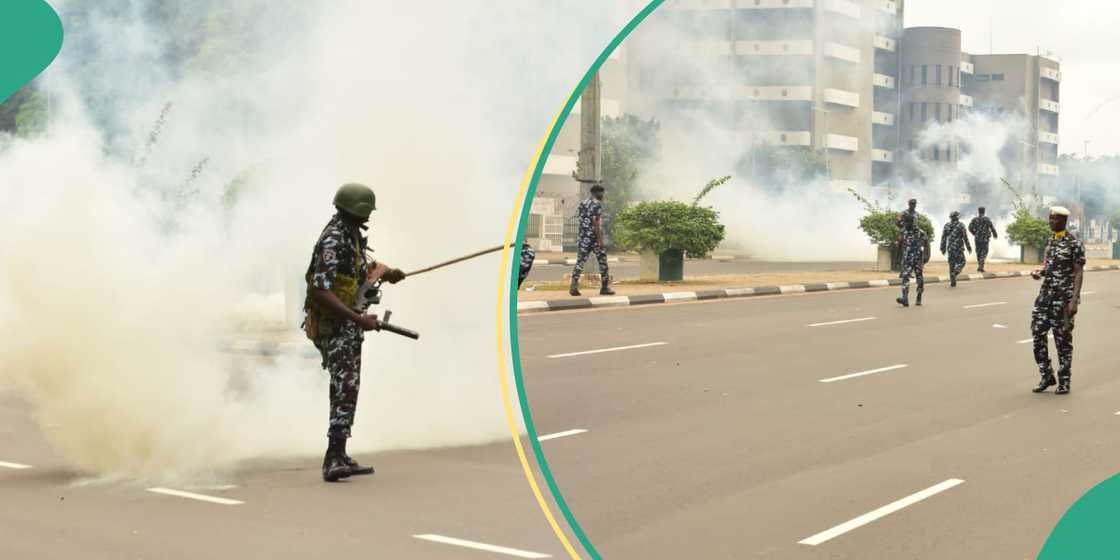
x: 130, y: 253
x: 784, y: 213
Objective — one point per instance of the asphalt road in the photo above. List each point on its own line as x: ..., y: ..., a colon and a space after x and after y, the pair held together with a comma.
x: 477, y: 494
x: 722, y: 441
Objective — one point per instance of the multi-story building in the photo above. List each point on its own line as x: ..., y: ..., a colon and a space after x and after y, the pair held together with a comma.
x: 813, y: 74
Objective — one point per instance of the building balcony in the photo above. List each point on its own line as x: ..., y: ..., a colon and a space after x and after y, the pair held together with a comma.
x: 775, y: 93
x: 779, y: 137
x: 842, y: 142
x: 772, y: 4
x: 841, y: 52
x: 885, y: 43
x: 694, y: 93
x: 1047, y: 137
x: 699, y: 4
x: 840, y: 97
x: 773, y: 48
x: 1051, y: 74
x: 884, y: 119
x: 967, y: 67
x: 1047, y: 169
x: 560, y: 165
x: 966, y: 100
x: 883, y: 81
x: 844, y: 8
x: 885, y: 156
x: 1048, y: 105
x: 889, y: 6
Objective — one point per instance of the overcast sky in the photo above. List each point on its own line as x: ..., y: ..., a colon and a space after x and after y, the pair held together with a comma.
x: 1084, y: 34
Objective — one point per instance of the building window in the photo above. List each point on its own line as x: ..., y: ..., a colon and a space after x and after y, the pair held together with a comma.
x: 937, y: 76
x: 911, y: 113
x: 925, y: 75
x: 997, y: 77
x: 912, y: 74
x: 983, y: 77
x: 925, y: 116
x: 936, y: 152
x: 950, y: 76
x: 950, y: 107
x: 937, y: 112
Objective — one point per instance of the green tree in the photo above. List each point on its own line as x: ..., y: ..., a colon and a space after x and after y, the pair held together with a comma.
x: 658, y: 226
x: 1028, y: 230
x: 630, y: 144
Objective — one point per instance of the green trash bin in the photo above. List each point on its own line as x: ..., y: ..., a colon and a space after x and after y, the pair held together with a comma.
x: 671, y: 266
x: 1116, y: 249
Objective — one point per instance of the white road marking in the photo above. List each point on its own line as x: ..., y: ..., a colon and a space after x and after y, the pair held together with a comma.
x: 1087, y: 293
x: 979, y: 305
x: 998, y: 326
x: 481, y: 546
x: 16, y: 466
x: 615, y: 349
x: 863, y: 373
x: 830, y: 323
x: 1118, y: 414
x: 561, y: 434
x: 193, y: 496
x: 881, y: 512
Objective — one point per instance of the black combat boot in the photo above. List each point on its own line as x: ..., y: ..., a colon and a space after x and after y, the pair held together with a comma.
x: 953, y: 281
x: 606, y: 290
x: 334, y: 465
x: 1046, y: 382
x: 918, y: 300
x: 355, y: 468
x: 905, y: 299
x: 1063, y: 386
x: 573, y: 290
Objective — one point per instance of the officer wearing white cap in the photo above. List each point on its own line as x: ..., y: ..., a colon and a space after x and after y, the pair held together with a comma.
x: 1058, y: 297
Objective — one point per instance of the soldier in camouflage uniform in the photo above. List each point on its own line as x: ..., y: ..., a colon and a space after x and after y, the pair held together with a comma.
x: 591, y: 240
x: 955, y: 240
x: 1058, y: 297
x: 915, y: 254
x: 339, y: 265
x: 982, y: 229
x: 527, y: 258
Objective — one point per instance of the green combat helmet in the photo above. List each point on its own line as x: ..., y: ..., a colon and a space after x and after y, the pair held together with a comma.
x: 356, y: 199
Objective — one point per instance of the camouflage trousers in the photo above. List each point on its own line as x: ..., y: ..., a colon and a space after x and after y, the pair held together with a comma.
x: 915, y: 270
x: 981, y: 253
x: 1050, y: 317
x: 342, y: 358
x: 956, y: 263
x: 588, y: 245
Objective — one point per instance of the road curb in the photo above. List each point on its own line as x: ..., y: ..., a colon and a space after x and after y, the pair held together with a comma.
x: 734, y: 293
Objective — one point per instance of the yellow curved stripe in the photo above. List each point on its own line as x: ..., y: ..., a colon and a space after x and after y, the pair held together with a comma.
x: 503, y: 292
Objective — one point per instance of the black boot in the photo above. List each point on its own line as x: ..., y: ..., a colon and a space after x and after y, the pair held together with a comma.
x: 1063, y: 386
x: 606, y: 290
x: 334, y: 466
x: 1046, y: 382
x: 918, y: 300
x: 905, y: 299
x: 355, y: 468
x: 953, y: 281
x: 573, y: 290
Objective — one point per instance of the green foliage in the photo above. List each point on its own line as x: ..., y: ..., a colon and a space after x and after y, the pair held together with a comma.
x: 1114, y: 221
x: 667, y: 224
x: 25, y: 112
x: 881, y: 225
x: 778, y: 168
x: 630, y: 144
x: 709, y: 188
x: 1028, y: 230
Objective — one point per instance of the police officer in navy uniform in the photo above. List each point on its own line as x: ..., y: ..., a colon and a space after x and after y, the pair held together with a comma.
x: 1055, y: 307
x: 591, y: 240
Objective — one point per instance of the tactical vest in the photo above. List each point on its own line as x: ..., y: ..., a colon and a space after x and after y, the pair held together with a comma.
x: 319, y: 321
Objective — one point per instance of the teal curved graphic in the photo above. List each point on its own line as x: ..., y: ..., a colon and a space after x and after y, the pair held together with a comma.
x: 32, y: 31
x: 519, y: 379
x: 1090, y: 529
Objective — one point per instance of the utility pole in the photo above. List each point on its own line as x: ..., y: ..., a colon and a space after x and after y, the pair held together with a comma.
x: 589, y: 166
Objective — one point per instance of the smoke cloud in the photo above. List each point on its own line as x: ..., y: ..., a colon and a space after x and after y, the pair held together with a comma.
x: 135, y: 245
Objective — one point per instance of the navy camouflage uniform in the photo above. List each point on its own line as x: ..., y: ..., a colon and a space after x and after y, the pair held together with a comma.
x: 982, y: 229
x: 589, y: 240
x: 340, y: 251
x: 1049, y: 314
x: 915, y: 244
x: 527, y: 258
x: 955, y: 241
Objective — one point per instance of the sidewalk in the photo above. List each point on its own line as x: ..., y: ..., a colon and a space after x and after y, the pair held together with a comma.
x: 717, y: 287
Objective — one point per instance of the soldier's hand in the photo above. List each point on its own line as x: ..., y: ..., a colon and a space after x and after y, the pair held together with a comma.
x: 394, y: 275
x: 376, y: 272
x: 1036, y: 274
x: 1071, y: 308
x: 368, y: 323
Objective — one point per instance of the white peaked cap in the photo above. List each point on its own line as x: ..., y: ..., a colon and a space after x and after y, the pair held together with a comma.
x: 1059, y: 211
